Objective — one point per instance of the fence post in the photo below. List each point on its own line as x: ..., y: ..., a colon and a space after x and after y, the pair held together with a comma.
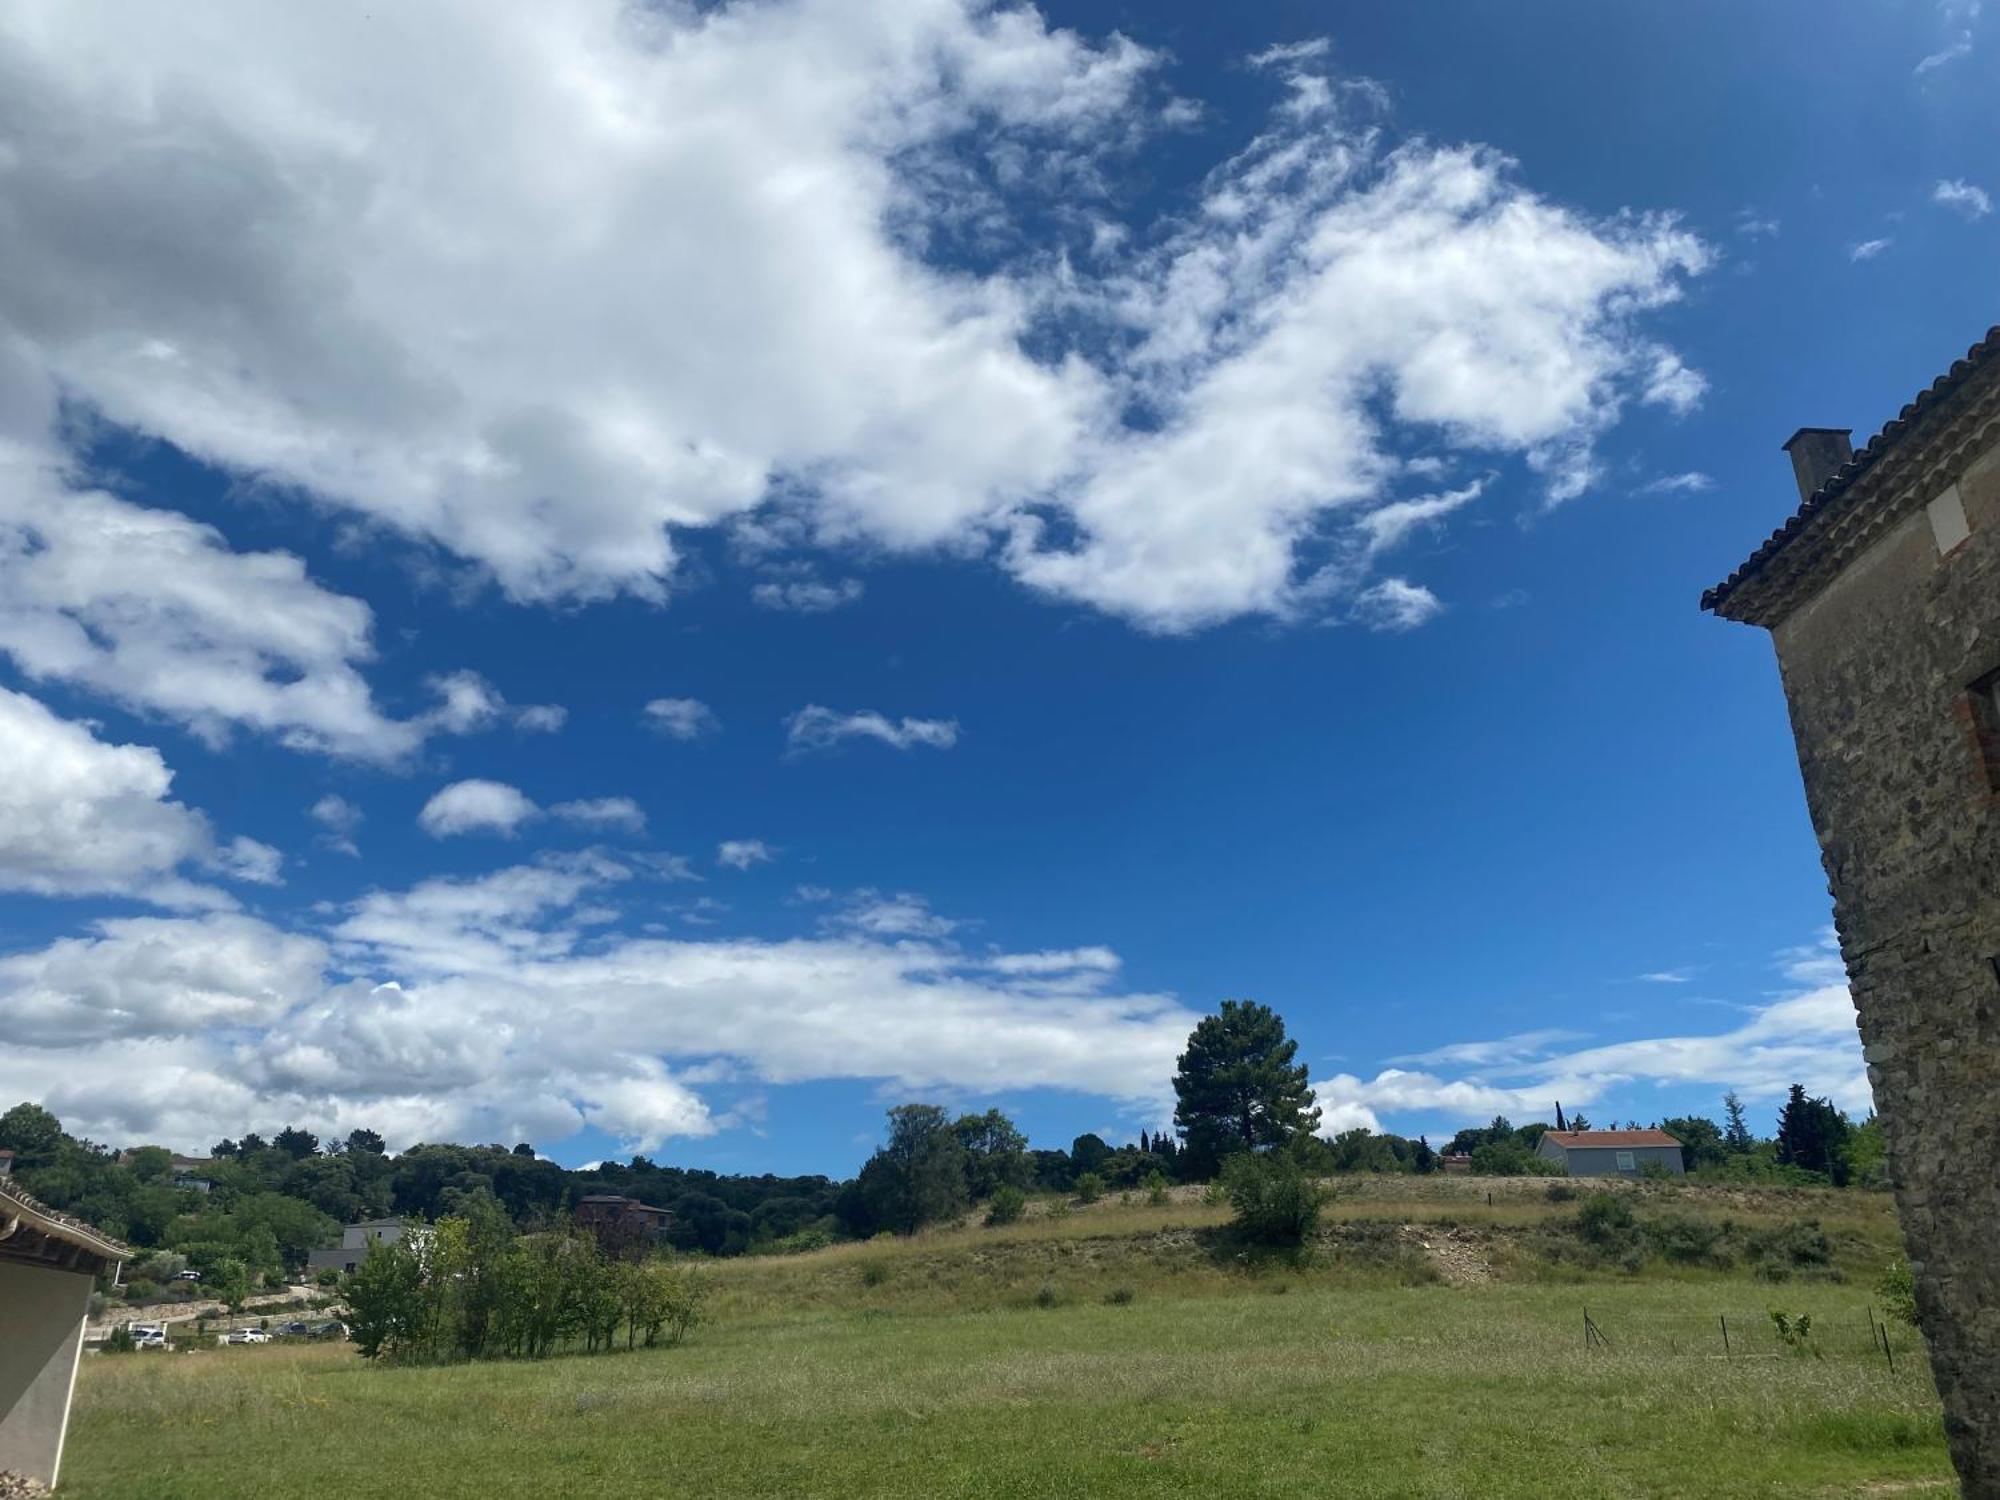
x: 1724, y: 1321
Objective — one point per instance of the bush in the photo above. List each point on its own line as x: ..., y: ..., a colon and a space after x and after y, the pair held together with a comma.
x: 1275, y: 1202
x: 1798, y: 1248
x: 1045, y: 1296
x: 119, y: 1341
x: 1559, y: 1192
x: 1686, y: 1240
x: 1006, y: 1205
x: 873, y: 1273
x: 1215, y: 1195
x: 1120, y: 1296
x: 1156, y: 1188
x: 1898, y: 1289
x: 1605, y: 1223
x: 1089, y: 1188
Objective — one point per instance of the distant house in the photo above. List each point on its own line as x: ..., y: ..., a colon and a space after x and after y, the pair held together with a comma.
x: 49, y: 1263
x: 192, y: 1172
x: 1610, y: 1153
x: 608, y: 1215
x: 354, y: 1242
x: 1456, y: 1162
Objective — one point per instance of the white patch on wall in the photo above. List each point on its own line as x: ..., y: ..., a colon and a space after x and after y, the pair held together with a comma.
x: 1948, y: 523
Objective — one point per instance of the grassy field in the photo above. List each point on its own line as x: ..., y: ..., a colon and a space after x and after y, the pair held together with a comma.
x: 1122, y: 1350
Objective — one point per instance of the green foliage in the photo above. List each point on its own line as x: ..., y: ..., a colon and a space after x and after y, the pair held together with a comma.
x: 1605, y: 1221
x: 874, y: 1273
x: 120, y: 1341
x: 1898, y: 1291
x: 995, y: 1153
x: 1120, y: 1296
x: 468, y: 1287
x: 1239, y: 1087
x: 1006, y: 1205
x: 1799, y: 1247
x: 1089, y: 1188
x: 1686, y: 1240
x: 1736, y: 1137
x: 1156, y: 1189
x: 1813, y: 1135
x: 1045, y: 1296
x: 1794, y: 1330
x: 1867, y: 1154
x: 919, y: 1177
x: 1276, y: 1203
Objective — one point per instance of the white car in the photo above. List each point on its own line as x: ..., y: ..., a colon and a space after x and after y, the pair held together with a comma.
x: 247, y: 1336
x: 148, y: 1336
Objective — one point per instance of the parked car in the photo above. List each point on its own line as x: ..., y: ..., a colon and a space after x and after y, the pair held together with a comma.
x: 293, y: 1330
x: 187, y: 1275
x: 332, y: 1330
x: 148, y: 1336
x: 247, y: 1336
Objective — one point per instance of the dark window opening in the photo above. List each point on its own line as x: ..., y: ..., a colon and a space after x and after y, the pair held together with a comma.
x: 1985, y: 696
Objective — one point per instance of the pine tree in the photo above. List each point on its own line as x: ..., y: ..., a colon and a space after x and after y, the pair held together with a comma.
x: 1736, y: 1133
x: 1239, y: 1087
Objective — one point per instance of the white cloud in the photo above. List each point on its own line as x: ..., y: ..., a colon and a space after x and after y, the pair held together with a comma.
x: 541, y: 718
x: 1963, y: 197
x: 1869, y: 249
x: 157, y: 976
x: 1388, y: 525
x: 1961, y: 46
x: 816, y: 728
x: 476, y: 806
x: 900, y: 915
x: 621, y: 814
x: 468, y: 703
x: 707, y: 270
x: 1692, y: 482
x: 681, y: 718
x: 495, y: 1009
x: 1806, y: 1036
x: 1396, y: 604
x: 79, y: 816
x: 807, y: 596
x: 1667, y: 976
x: 741, y: 854
x: 339, y: 818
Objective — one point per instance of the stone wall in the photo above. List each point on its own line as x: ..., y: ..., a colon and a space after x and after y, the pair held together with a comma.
x: 1876, y: 668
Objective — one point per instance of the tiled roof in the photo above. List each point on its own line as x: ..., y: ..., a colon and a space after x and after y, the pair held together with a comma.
x: 1829, y: 493
x: 17, y: 1203
x: 1570, y: 1139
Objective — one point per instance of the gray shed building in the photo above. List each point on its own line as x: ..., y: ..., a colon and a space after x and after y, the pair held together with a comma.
x: 1610, y: 1153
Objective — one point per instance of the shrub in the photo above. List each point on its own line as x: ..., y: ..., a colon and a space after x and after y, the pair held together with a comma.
x: 1799, y: 1247
x: 1156, y: 1188
x: 1215, y: 1195
x: 1059, y: 1209
x: 1006, y: 1205
x: 873, y: 1273
x: 1605, y: 1220
x: 1275, y: 1202
x: 1045, y: 1295
x: 1559, y: 1192
x: 119, y: 1341
x: 1089, y: 1188
x: 1898, y: 1289
x: 1120, y: 1296
x: 1686, y: 1239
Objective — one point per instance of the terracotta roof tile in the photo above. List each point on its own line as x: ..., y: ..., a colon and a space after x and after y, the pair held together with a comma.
x: 1589, y: 1138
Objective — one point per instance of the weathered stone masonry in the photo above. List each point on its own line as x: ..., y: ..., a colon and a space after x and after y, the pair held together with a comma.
x: 1882, y: 595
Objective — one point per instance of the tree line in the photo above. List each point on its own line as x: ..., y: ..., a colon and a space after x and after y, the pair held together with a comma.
x: 1239, y: 1089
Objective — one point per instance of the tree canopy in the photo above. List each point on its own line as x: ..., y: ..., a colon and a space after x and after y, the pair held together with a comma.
x: 1239, y: 1087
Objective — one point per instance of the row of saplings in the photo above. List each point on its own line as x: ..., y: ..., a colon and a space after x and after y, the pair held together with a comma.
x: 471, y: 1287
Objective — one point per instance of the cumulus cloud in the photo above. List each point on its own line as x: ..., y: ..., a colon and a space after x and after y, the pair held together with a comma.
x: 80, y: 816
x: 340, y: 818
x: 807, y: 596
x: 817, y: 728
x: 698, y: 277
x: 496, y: 1008
x: 476, y: 806
x: 1869, y: 249
x: 1396, y: 604
x: 681, y: 718
x: 1962, y: 197
x: 741, y: 854
x: 468, y: 703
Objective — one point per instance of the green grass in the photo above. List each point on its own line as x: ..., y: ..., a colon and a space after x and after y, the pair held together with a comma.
x: 945, y: 1377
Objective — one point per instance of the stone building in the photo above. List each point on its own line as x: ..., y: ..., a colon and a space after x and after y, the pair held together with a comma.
x: 1882, y: 594
x: 49, y: 1264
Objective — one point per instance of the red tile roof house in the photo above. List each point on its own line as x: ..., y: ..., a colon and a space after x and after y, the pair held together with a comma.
x: 609, y: 1211
x: 1610, y: 1153
x: 49, y: 1264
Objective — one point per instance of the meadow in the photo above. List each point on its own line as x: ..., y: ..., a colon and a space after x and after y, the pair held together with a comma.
x: 1432, y: 1345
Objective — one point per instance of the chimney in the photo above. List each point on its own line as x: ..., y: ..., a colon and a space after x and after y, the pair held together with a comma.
x: 1817, y: 454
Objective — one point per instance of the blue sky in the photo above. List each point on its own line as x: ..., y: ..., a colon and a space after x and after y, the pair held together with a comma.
x: 1119, y: 506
